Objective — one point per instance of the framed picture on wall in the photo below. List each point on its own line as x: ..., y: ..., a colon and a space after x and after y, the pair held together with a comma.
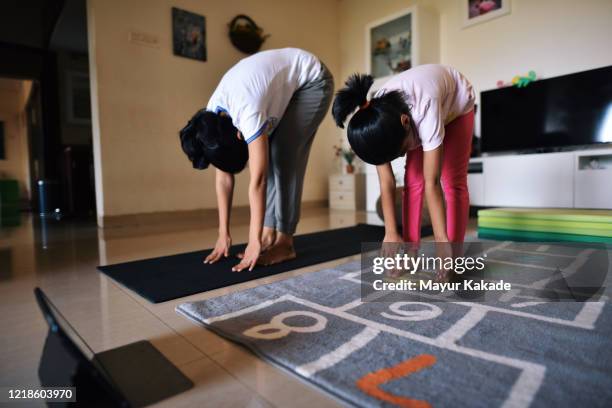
x: 478, y: 11
x: 389, y: 45
x: 188, y: 34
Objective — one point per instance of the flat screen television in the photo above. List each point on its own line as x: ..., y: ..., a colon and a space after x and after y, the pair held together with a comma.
x: 548, y: 114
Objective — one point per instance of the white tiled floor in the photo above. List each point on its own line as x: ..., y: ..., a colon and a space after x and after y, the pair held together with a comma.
x: 61, y: 258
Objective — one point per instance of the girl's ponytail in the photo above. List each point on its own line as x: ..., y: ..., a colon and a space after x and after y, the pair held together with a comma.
x: 353, y: 95
x: 375, y: 132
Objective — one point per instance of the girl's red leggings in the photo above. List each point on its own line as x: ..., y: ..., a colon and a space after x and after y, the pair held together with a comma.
x: 457, y: 147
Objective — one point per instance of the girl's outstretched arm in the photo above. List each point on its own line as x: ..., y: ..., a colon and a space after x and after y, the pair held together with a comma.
x: 387, y: 194
x: 432, y: 165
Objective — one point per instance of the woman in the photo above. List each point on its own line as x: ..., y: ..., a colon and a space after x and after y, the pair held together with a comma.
x: 267, y: 108
x: 426, y: 113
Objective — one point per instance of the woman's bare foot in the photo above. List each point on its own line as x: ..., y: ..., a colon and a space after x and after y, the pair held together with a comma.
x: 268, y: 237
x: 282, y: 250
x: 276, y: 254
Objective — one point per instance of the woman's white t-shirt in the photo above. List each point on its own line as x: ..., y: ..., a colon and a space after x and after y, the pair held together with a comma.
x: 256, y: 91
x: 437, y: 94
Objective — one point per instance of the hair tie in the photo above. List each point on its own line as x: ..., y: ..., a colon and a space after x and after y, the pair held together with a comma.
x: 364, y: 105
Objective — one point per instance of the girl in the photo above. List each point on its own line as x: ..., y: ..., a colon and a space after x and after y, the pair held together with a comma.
x: 266, y: 110
x: 427, y: 114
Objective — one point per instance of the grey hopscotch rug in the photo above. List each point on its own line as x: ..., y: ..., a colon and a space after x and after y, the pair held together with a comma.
x: 421, y: 354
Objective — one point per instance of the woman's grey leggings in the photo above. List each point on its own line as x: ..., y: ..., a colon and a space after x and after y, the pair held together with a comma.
x: 289, y: 149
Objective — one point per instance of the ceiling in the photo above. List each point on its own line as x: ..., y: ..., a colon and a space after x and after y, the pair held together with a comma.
x: 70, y: 33
x: 44, y: 24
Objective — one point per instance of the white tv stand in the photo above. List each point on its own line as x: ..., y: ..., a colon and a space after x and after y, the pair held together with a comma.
x: 557, y: 180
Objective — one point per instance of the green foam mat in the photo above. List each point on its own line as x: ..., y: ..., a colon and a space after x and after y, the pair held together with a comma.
x: 554, y: 226
x: 552, y: 214
x: 536, y: 236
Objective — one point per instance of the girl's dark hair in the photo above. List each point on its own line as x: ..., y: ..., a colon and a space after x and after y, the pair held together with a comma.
x: 375, y: 132
x: 212, y: 138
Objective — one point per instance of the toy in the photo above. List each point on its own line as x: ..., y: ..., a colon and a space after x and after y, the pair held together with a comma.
x: 523, y: 81
x: 519, y: 81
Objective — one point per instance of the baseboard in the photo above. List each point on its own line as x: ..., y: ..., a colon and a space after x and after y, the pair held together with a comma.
x: 202, y: 218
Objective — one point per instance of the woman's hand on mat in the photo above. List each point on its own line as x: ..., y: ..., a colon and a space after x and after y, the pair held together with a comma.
x: 221, y: 249
x: 249, y: 259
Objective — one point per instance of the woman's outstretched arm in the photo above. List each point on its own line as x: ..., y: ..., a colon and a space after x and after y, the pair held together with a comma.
x: 258, y: 168
x: 224, y: 186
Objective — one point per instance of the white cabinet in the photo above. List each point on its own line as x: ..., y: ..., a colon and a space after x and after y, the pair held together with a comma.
x: 593, y: 179
x: 346, y: 191
x: 373, y: 186
x: 579, y: 179
x: 476, y: 189
x: 529, y: 180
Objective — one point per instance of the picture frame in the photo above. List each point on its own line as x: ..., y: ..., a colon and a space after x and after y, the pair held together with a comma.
x: 390, y: 44
x: 188, y: 34
x: 478, y: 11
x: 78, y: 100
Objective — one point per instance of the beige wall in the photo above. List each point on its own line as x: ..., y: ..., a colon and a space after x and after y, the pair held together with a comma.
x: 13, y: 98
x: 551, y: 37
x: 142, y: 96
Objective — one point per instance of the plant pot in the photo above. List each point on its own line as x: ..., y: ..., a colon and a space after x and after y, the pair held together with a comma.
x: 350, y: 169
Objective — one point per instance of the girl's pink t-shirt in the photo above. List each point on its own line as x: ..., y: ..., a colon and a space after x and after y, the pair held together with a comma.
x: 437, y: 94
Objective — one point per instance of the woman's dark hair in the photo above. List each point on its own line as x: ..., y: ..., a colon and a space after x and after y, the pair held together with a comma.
x: 212, y: 138
x: 375, y: 132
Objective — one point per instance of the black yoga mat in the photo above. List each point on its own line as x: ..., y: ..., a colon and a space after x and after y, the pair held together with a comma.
x: 170, y: 277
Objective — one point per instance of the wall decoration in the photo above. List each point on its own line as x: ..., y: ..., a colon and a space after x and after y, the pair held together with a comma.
x: 188, y: 34
x: 78, y: 101
x: 390, y: 45
x: 519, y: 81
x: 522, y: 81
x: 478, y: 11
x: 245, y: 34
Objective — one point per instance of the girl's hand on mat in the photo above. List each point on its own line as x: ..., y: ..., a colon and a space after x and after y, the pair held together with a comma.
x: 221, y: 249
x: 444, y: 251
x: 249, y: 259
x: 392, y: 245
x: 393, y: 237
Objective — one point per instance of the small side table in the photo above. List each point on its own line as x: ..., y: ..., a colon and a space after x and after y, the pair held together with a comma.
x: 347, y: 191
